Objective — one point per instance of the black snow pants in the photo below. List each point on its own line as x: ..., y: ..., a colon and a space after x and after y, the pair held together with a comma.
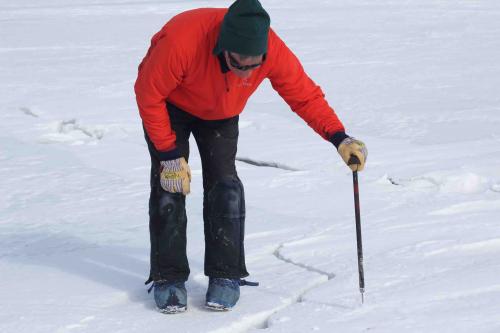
x: 223, y: 202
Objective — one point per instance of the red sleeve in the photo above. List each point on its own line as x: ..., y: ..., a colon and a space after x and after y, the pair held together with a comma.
x: 304, y: 97
x: 160, y: 73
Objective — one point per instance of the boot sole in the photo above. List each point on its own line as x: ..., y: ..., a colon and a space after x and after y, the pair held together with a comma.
x: 217, y: 307
x: 173, y: 309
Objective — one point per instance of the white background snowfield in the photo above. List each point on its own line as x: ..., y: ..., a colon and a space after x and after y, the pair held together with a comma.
x: 417, y: 80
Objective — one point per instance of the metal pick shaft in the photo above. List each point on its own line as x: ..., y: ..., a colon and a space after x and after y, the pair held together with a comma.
x: 358, y: 235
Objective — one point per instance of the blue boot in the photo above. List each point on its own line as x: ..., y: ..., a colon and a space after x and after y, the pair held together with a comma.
x: 222, y: 294
x: 170, y: 297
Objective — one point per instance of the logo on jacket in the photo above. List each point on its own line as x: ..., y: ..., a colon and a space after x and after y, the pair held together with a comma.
x: 244, y: 83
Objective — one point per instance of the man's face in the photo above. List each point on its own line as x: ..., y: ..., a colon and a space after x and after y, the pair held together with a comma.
x: 242, y: 66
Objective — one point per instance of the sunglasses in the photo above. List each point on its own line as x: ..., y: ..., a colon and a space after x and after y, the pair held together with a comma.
x: 234, y: 63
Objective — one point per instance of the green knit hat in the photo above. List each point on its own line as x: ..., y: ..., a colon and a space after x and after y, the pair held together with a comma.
x: 244, y: 29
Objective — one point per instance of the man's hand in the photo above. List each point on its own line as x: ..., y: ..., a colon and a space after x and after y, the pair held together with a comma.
x: 175, y: 176
x: 351, y: 147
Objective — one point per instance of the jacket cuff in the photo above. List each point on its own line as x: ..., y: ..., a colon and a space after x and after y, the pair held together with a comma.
x: 337, y: 138
x: 169, y: 154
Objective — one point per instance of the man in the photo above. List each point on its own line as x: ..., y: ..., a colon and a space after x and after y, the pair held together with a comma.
x: 197, y: 76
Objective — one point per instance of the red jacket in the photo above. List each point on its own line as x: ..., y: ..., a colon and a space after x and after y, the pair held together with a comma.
x: 180, y: 68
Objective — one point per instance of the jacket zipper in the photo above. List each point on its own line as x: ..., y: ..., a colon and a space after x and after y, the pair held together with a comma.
x: 227, y: 84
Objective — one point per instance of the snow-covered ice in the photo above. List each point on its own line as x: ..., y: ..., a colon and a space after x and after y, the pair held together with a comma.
x: 416, y: 80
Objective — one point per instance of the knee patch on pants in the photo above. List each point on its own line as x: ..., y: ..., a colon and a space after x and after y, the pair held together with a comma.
x: 226, y: 199
x: 170, y: 205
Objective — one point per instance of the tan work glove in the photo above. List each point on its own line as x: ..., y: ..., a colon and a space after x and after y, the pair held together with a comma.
x: 175, y: 176
x: 351, y: 147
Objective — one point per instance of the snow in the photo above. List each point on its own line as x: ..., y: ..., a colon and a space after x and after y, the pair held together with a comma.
x: 416, y: 80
